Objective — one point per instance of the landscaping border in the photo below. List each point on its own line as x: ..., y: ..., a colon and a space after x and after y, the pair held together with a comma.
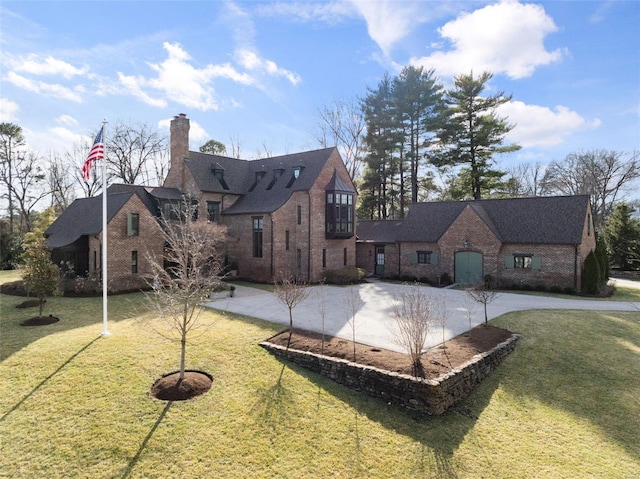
x: 429, y: 396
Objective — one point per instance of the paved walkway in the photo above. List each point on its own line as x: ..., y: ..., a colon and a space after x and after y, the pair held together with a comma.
x: 373, y: 302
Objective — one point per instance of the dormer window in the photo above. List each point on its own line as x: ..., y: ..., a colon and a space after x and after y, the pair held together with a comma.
x: 259, y: 176
x: 277, y: 173
x: 296, y: 173
x: 218, y: 172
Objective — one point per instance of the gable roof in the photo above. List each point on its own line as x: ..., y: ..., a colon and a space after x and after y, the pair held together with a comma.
x: 265, y: 195
x: 84, y: 216
x: 535, y: 220
x: 378, y: 231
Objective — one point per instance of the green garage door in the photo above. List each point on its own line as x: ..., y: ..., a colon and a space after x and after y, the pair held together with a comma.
x: 468, y: 267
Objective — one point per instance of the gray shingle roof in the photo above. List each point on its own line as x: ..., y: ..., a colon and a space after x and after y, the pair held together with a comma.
x: 240, y: 175
x: 536, y: 220
x: 382, y: 231
x: 84, y: 216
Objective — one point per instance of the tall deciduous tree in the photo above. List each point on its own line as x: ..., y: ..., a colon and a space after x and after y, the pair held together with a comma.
x: 473, y: 132
x: 342, y: 125
x: 131, y: 150
x: 11, y: 141
x: 605, y: 175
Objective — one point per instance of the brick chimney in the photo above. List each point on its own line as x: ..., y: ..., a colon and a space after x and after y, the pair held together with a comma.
x: 179, y: 131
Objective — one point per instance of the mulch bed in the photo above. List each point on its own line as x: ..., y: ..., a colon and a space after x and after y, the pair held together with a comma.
x: 40, y: 321
x: 435, y: 361
x: 170, y: 388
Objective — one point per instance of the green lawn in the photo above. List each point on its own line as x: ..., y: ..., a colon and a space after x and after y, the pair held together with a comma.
x: 566, y: 403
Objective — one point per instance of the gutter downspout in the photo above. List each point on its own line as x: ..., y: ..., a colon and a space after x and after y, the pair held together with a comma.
x: 272, y: 235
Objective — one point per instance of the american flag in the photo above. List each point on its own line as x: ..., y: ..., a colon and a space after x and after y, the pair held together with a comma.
x: 96, y: 153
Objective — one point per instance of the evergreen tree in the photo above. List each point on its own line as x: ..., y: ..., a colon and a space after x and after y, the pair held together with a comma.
x: 590, y: 274
x: 623, y: 238
x: 473, y: 132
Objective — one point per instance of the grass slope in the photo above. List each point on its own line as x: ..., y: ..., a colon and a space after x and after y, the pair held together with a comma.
x: 566, y: 403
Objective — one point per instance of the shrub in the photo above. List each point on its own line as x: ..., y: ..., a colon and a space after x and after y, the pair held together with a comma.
x: 569, y: 290
x: 540, y: 287
x: 555, y: 289
x: 590, y: 274
x: 445, y: 279
x: 349, y: 275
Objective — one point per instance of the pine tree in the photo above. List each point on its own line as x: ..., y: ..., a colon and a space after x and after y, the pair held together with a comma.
x: 623, y: 238
x: 473, y: 132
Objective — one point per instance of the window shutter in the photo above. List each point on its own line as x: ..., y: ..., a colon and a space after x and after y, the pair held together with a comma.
x: 129, y: 224
x: 508, y: 262
x: 414, y: 258
x: 434, y: 258
x: 536, y: 262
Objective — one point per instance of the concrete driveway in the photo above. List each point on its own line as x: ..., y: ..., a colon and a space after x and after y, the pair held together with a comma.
x: 373, y: 303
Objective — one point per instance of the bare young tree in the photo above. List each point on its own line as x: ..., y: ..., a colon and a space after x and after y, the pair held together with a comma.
x: 321, y: 292
x: 193, y: 253
x: 469, y: 309
x: 291, y: 293
x: 236, y: 147
x: 484, y: 295
x: 353, y: 304
x: 342, y: 125
x: 131, y: 150
x: 414, y: 312
x: 28, y: 186
x: 527, y: 179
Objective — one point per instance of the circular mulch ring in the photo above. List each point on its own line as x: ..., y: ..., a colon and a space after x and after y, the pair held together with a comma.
x: 170, y: 388
x: 30, y: 303
x: 40, y: 321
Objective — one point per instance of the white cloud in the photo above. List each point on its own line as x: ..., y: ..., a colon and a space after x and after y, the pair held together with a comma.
x: 8, y: 110
x: 67, y: 135
x: 48, y: 66
x: 539, y: 126
x: 252, y: 62
x: 325, y: 12
x: 48, y: 89
x: 66, y: 120
x: 389, y: 21
x: 507, y: 37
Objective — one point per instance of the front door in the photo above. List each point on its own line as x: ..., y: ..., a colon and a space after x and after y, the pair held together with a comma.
x: 379, y: 268
x: 468, y: 267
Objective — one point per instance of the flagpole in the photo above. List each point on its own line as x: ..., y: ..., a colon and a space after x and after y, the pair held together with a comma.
x: 105, y: 329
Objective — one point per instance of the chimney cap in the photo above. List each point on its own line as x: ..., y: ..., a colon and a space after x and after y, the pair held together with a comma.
x: 181, y: 115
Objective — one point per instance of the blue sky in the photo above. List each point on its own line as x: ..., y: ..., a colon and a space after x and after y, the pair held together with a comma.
x: 257, y: 72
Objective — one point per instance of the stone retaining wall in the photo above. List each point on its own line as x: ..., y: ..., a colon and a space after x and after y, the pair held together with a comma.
x: 430, y: 396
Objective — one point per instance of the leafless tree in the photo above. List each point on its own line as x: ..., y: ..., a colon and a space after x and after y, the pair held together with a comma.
x: 342, y: 124
x: 131, y: 150
x: 469, y: 309
x: 236, y: 147
x: 441, y: 318
x: 415, y: 313
x: 193, y: 253
x: 28, y: 186
x: 74, y: 160
x: 290, y: 292
x: 483, y: 295
x: 353, y: 304
x: 321, y: 291
x: 527, y: 179
x: 605, y: 175
x: 61, y: 184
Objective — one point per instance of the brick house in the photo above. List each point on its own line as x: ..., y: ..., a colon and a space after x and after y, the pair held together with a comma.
x: 291, y: 215
x: 133, y: 228
x: 518, y: 241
